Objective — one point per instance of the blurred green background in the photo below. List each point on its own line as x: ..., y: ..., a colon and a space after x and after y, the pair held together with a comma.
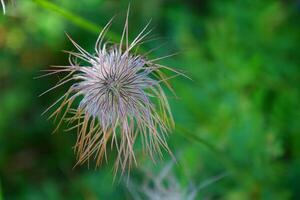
x: 240, y: 115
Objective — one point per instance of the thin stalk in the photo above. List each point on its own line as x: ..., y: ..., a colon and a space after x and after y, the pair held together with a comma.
x: 222, y: 156
x: 1, y: 195
x: 73, y: 18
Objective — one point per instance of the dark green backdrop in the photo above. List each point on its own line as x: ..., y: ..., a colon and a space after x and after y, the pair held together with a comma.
x: 239, y: 116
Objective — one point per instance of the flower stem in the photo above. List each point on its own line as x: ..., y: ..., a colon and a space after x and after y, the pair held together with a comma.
x: 73, y: 18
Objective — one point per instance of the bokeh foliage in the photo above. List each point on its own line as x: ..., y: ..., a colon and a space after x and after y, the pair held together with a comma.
x: 240, y: 114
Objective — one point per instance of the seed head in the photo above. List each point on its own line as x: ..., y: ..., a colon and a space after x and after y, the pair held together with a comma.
x: 120, y: 97
x: 166, y: 186
x: 161, y: 186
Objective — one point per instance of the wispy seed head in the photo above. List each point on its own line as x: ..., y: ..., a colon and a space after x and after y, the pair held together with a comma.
x: 120, y: 97
x: 162, y: 186
x: 166, y: 186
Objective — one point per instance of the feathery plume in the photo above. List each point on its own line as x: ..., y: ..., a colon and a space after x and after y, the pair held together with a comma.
x: 3, y: 6
x: 165, y: 186
x: 121, y: 97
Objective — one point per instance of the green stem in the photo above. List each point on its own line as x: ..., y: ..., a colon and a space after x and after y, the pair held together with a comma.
x: 228, y: 162
x: 1, y: 195
x: 75, y: 19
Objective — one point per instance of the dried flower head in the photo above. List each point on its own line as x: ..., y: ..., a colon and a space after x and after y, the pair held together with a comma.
x: 120, y: 97
x: 3, y: 6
